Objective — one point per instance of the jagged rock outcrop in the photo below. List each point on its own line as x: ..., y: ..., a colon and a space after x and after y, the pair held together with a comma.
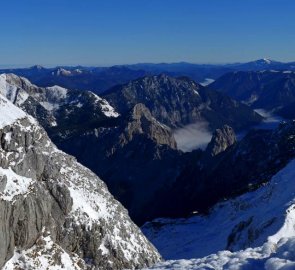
x: 118, y: 148
x: 222, y: 139
x: 141, y: 121
x: 53, y: 210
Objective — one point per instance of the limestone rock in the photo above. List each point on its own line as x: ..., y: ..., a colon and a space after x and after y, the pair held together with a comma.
x: 46, y: 195
x: 222, y: 139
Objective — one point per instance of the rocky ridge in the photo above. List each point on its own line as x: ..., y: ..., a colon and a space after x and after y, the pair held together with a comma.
x: 55, y: 212
x: 177, y: 102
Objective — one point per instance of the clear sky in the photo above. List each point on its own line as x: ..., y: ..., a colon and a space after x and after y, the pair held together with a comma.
x: 106, y: 32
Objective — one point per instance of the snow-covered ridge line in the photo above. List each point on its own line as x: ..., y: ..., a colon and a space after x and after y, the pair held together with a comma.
x: 18, y: 90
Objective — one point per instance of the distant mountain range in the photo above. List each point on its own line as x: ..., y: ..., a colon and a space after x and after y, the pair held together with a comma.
x: 99, y: 79
x: 269, y: 90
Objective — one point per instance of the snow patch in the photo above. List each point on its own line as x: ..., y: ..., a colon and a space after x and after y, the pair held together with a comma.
x: 12, y: 184
x: 7, y: 137
x: 106, y: 108
x: 49, y: 106
x: 9, y: 113
x: 207, y: 81
x: 58, y: 92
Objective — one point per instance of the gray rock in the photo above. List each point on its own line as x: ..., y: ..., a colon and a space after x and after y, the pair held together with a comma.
x: 57, y: 198
x: 3, y: 182
x: 142, y: 122
x: 222, y: 139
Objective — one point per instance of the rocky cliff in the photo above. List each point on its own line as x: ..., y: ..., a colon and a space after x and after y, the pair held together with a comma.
x: 56, y: 213
x: 221, y: 140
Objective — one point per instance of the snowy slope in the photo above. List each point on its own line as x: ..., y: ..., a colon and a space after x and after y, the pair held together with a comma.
x: 8, y: 112
x: 107, y: 109
x: 259, y: 226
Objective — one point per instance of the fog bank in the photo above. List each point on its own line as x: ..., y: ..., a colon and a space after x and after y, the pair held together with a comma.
x: 192, y: 136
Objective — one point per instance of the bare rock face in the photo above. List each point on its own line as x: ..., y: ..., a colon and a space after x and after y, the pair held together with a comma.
x: 221, y: 140
x: 141, y: 121
x: 53, y: 210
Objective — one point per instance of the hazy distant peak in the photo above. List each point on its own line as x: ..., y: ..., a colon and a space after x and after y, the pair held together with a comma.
x: 37, y: 67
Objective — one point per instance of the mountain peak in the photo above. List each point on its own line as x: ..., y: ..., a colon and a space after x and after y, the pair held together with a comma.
x: 222, y: 139
x: 37, y: 67
x: 265, y: 61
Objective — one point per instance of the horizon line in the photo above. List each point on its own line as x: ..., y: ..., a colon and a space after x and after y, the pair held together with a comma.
x: 20, y: 66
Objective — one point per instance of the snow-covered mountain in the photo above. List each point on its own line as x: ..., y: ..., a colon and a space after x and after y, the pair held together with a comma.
x: 59, y: 110
x: 253, y: 231
x: 18, y: 90
x: 55, y: 213
x: 66, y: 72
x: 259, y: 64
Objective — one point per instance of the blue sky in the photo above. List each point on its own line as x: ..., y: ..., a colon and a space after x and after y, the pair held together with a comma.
x: 106, y: 32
